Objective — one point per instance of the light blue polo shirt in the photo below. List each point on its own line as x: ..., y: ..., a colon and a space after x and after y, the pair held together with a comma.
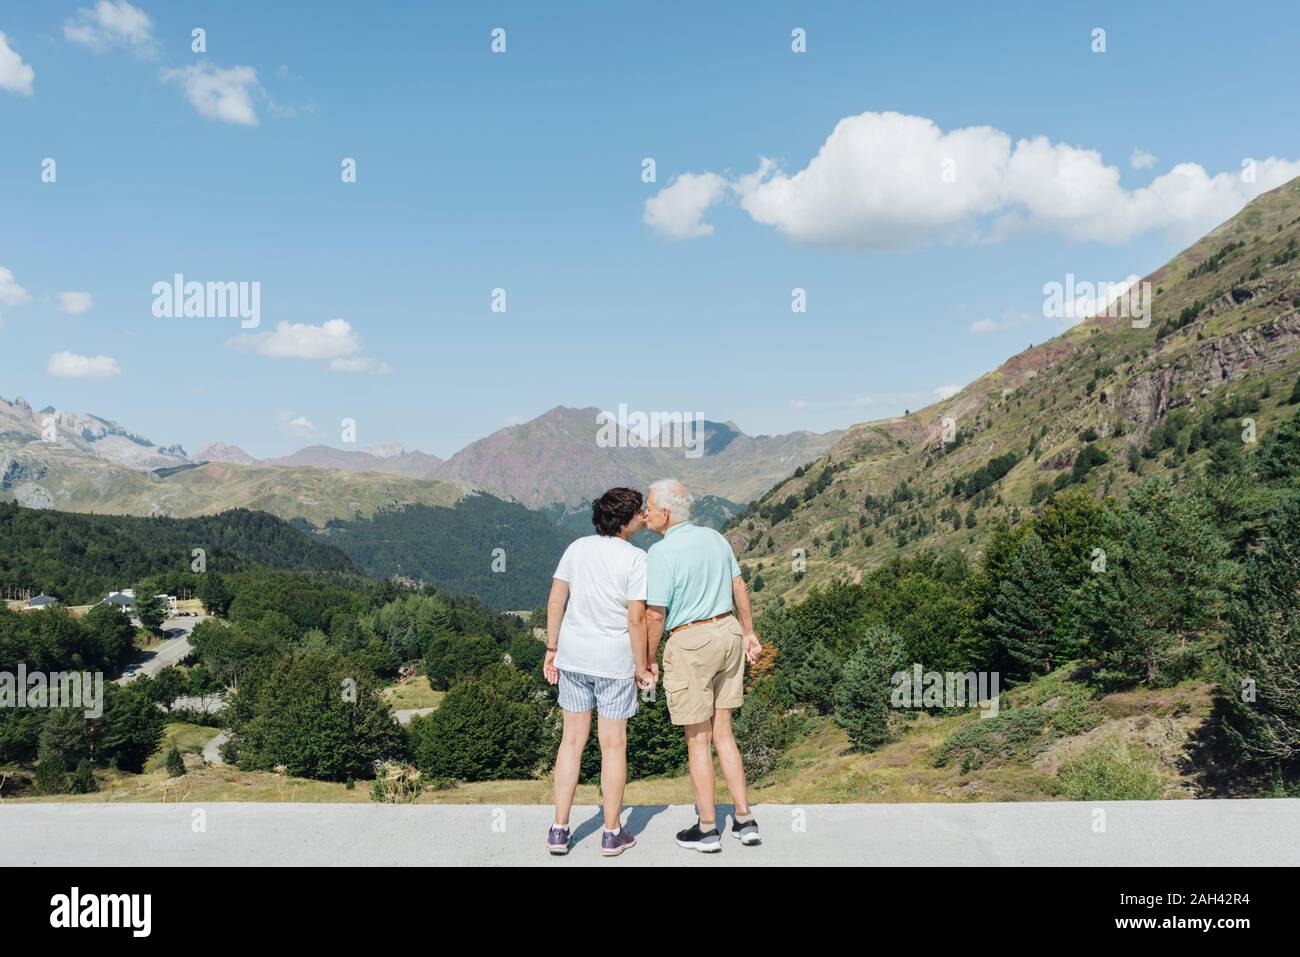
x: 689, y: 572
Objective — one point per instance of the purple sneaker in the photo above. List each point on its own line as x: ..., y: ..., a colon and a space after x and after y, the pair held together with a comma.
x: 557, y: 840
x: 612, y: 845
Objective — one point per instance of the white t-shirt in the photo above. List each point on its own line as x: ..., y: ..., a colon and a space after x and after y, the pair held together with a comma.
x: 604, y: 574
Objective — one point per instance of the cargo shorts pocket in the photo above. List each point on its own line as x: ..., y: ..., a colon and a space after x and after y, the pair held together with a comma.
x: 677, y: 693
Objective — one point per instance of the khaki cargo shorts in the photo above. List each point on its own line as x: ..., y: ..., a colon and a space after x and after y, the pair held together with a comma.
x: 704, y: 669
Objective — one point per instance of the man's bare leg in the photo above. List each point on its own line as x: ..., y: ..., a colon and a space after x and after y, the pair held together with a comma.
x: 612, y: 733
x: 733, y: 767
x: 700, y: 754
x: 568, y: 762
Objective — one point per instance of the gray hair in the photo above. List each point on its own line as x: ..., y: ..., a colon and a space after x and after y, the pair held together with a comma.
x: 671, y: 494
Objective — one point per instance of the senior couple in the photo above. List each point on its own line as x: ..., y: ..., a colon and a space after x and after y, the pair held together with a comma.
x: 609, y: 607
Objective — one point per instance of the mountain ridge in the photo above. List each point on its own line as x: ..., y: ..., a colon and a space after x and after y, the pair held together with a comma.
x: 1097, y: 407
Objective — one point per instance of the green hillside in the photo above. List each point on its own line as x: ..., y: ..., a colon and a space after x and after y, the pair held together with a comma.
x: 1099, y: 407
x: 455, y: 549
x: 79, y: 558
x: 49, y: 476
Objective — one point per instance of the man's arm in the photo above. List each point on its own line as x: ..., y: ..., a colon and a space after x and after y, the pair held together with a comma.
x: 740, y: 598
x: 554, y: 615
x: 654, y: 626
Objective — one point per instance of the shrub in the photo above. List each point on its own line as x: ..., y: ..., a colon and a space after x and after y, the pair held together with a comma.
x: 315, y: 716
x: 83, y: 779
x: 1109, y: 772
x: 499, y: 724
x: 175, y: 763
x: 765, y: 727
x: 396, y: 783
x: 1010, y: 733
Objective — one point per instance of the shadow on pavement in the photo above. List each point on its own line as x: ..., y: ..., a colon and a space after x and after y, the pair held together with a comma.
x: 635, y: 823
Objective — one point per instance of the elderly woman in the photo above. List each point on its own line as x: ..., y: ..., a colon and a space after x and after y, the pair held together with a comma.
x: 596, y: 653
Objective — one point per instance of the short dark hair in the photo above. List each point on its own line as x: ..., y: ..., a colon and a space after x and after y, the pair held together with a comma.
x: 614, y: 509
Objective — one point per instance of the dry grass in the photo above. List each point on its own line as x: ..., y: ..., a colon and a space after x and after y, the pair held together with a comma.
x: 414, y: 692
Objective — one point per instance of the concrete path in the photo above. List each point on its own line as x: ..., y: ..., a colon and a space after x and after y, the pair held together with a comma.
x: 1187, y: 833
x: 211, y: 750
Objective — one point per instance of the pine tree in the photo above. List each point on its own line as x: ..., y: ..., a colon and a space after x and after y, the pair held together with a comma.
x: 175, y: 763
x: 1279, y: 456
x: 1027, y: 609
x: 83, y: 779
x: 1166, y: 579
x: 862, y: 696
x: 214, y: 594
x: 50, y: 774
x: 813, y: 682
x: 1261, y: 650
x: 151, y: 613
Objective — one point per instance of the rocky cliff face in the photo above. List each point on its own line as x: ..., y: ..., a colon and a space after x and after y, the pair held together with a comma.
x: 1149, y: 396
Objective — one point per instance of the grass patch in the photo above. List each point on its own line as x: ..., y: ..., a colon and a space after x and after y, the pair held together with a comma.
x: 414, y: 692
x: 188, y: 738
x: 1109, y: 771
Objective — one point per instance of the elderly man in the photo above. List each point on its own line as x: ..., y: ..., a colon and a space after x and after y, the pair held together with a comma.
x: 695, y: 591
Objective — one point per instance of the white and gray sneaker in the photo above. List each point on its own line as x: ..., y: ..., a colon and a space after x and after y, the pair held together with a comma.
x: 746, y: 831
x: 694, y: 839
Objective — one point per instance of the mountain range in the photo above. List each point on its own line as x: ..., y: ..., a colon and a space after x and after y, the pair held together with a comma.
x: 556, y: 463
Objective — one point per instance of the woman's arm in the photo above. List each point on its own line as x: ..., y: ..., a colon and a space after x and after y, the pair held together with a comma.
x: 636, y: 629
x: 554, y: 615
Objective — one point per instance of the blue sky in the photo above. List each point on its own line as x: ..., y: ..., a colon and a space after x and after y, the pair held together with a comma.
x: 522, y: 171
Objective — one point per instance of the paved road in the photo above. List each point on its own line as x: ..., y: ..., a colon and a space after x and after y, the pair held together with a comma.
x: 1257, y: 832
x: 405, y: 715
x: 169, y: 653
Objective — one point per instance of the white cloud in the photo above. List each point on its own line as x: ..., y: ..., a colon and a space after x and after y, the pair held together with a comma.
x: 1141, y: 159
x: 69, y: 365
x: 75, y: 303
x: 219, y: 94
x: 360, y: 364
x: 109, y: 24
x: 886, y: 181
x: 11, y: 294
x: 301, y: 425
x: 15, y: 75
x: 300, y: 340
x: 983, y: 327
x: 947, y: 391
x: 677, y: 209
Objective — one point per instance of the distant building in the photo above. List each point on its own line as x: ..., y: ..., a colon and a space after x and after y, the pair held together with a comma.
x: 42, y: 601
x: 120, y: 599
x: 169, y: 602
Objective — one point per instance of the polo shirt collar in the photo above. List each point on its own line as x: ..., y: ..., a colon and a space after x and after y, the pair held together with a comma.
x: 676, y: 527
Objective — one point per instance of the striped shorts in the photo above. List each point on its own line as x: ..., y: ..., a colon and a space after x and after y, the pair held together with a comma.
x: 613, y: 697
